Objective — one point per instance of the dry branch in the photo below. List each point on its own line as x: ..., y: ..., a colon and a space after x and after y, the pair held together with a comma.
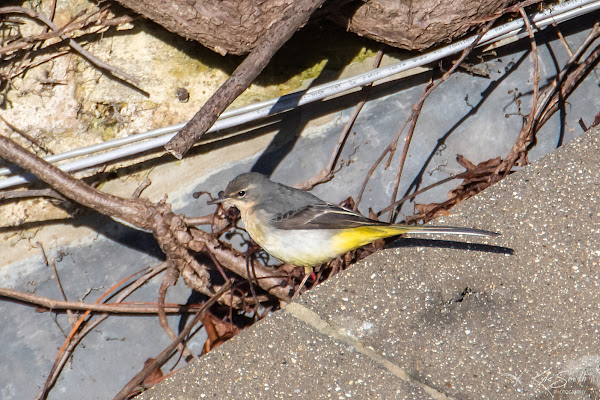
x: 29, y: 42
x: 133, y: 212
x: 49, y: 304
x: 169, y: 229
x: 26, y: 136
x: 25, y: 194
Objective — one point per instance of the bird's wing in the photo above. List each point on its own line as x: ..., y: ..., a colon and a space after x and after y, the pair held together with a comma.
x: 321, y: 216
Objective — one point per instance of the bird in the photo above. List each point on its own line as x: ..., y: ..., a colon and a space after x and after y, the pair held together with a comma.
x: 298, y: 228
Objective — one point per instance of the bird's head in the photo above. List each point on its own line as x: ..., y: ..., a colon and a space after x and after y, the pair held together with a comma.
x: 243, y: 192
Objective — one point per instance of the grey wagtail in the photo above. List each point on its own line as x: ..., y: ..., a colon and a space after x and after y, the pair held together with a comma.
x: 298, y: 228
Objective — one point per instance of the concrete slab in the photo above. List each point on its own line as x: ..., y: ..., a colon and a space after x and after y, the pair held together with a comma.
x: 283, y: 357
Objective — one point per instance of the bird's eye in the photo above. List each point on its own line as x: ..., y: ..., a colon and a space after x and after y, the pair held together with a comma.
x: 241, y: 193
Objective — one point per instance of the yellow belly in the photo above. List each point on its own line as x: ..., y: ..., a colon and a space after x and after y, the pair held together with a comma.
x: 312, y: 247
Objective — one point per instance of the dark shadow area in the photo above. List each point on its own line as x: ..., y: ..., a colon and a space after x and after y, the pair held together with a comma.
x: 193, y: 298
x: 297, y: 59
x: 12, y: 3
x: 282, y: 144
x: 449, y: 244
x: 143, y: 242
x: 218, y: 310
x: 562, y: 112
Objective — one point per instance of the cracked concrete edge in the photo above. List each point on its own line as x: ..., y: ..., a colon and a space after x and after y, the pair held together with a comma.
x: 313, y: 319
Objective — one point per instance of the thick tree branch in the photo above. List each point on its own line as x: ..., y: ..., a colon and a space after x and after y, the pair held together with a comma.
x: 133, y: 212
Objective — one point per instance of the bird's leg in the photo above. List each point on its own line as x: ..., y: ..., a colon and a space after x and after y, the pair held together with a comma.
x: 308, y: 271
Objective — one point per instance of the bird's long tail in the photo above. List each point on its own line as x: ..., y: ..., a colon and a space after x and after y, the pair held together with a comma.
x: 443, y: 230
x: 350, y: 239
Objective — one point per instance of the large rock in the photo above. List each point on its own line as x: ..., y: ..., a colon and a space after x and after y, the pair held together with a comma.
x: 235, y: 26
x: 417, y: 25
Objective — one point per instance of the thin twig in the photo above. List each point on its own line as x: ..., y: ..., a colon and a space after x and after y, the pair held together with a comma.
x: 27, y: 58
x: 412, y: 195
x: 110, y: 308
x: 536, y: 73
x: 60, y: 286
x: 327, y: 172
x: 23, y: 69
x: 31, y: 41
x: 61, y: 361
x: 569, y: 85
x: 414, y: 116
x: 388, y: 150
x: 144, y: 184
x: 26, y: 136
x: 169, y: 279
x: 518, y: 153
x: 562, y: 39
x: 47, y: 262
x: 204, y: 220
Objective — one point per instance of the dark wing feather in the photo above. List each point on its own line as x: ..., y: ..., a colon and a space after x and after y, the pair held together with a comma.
x: 321, y: 216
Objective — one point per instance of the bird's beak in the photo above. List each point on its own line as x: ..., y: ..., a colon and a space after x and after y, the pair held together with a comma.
x: 218, y: 200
